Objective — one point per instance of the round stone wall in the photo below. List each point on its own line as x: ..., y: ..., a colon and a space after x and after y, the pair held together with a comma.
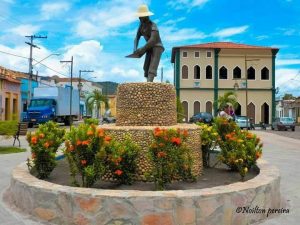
x: 142, y: 136
x: 146, y: 104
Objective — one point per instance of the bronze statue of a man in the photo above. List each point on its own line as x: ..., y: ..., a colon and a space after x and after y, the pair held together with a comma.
x: 153, y: 48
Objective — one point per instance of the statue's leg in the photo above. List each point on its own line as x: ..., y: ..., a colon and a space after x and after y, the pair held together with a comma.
x: 155, y: 58
x: 147, y: 63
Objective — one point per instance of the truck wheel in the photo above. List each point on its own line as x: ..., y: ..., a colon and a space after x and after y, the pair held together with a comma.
x: 293, y: 129
x: 272, y: 128
x: 67, y: 121
x: 30, y: 125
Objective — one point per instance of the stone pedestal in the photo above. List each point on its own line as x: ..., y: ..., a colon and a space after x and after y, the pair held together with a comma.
x: 141, y: 107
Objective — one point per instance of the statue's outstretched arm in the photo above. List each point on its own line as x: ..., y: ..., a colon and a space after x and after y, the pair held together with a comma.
x: 136, y: 40
x: 150, y: 43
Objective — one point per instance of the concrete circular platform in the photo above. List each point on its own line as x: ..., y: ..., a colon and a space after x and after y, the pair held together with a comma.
x: 219, y: 205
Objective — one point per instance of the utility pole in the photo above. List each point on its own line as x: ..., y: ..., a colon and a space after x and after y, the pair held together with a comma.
x: 80, y: 85
x: 31, y: 37
x: 71, y: 89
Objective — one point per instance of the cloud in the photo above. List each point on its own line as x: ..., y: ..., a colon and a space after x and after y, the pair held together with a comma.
x: 186, y: 4
x: 231, y: 31
x: 53, y: 9
x: 262, y: 37
x: 23, y: 30
x: 288, y: 81
x: 173, y: 34
x: 286, y: 62
x: 108, y: 18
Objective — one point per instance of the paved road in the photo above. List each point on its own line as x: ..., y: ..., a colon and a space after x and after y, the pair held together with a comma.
x: 292, y: 134
x: 281, y: 151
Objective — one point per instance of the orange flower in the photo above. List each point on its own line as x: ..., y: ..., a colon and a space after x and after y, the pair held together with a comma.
x: 257, y: 155
x: 34, y: 140
x: 161, y: 154
x: 90, y: 133
x: 46, y: 145
x: 78, y: 142
x: 83, y: 162
x: 158, y: 132
x: 100, y: 132
x: 161, y: 145
x: 87, y: 142
x: 249, y: 135
x: 41, y: 136
x: 71, y: 148
x: 185, y: 133
x: 176, y: 141
x: 107, y: 139
x: 33, y: 155
x: 118, y: 172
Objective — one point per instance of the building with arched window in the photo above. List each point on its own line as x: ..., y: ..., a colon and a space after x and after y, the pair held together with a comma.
x: 224, y: 65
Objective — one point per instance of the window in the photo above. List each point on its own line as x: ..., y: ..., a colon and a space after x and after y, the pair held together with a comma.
x: 265, y: 74
x: 208, y: 72
x: 209, y: 107
x: 184, y: 54
x: 185, y: 72
x: 197, y: 54
x: 208, y: 54
x: 237, y: 73
x: 196, y: 107
x: 223, y: 72
x: 251, y: 73
x: 197, y: 72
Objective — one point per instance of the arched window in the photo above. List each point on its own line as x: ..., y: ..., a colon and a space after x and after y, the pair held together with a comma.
x: 208, y: 72
x: 185, y: 72
x: 209, y: 107
x: 265, y: 73
x: 185, y: 106
x: 196, y: 107
x: 251, y: 73
x: 237, y: 73
x: 251, y: 111
x: 223, y: 72
x: 197, y: 72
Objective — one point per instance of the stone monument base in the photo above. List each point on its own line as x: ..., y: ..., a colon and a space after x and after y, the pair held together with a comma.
x: 142, y: 136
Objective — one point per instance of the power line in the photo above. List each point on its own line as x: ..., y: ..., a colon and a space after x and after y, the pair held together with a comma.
x: 7, y: 53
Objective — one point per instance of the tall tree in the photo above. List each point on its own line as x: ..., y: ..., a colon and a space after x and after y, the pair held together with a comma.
x: 288, y: 97
x: 95, y: 100
x: 228, y: 98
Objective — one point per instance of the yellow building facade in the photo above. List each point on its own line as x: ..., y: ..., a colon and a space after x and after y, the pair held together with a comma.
x: 206, y: 71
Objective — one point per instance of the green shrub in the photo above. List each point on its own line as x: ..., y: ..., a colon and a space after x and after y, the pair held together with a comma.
x: 120, y: 159
x: 170, y: 157
x: 90, y: 121
x: 44, y: 144
x: 8, y: 128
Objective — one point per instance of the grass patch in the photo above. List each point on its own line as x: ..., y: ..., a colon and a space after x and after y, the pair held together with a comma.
x: 8, y: 150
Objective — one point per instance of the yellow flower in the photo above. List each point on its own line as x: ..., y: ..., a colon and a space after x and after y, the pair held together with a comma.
x: 209, y: 128
x: 215, y: 134
x: 241, y: 160
x: 245, y: 170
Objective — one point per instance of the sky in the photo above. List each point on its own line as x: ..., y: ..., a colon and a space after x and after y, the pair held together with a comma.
x: 99, y: 34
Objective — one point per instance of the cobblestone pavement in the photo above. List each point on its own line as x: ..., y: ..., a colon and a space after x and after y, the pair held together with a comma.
x: 291, y: 134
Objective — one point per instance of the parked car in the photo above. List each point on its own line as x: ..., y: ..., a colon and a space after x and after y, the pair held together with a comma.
x: 202, y: 117
x: 241, y: 121
x: 283, y: 123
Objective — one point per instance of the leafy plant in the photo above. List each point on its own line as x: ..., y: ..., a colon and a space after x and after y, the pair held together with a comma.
x: 95, y: 99
x: 90, y: 121
x: 8, y: 128
x: 209, y: 137
x: 228, y: 98
x: 82, y: 145
x: 120, y: 159
x: 44, y: 144
x: 170, y: 157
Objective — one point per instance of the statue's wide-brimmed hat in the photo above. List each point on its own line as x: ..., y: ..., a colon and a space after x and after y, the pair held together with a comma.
x: 143, y: 11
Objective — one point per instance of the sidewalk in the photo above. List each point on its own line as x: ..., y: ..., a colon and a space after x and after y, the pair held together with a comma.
x: 280, y: 151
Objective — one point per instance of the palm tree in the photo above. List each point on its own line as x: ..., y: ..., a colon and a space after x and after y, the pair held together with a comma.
x: 95, y: 99
x: 228, y: 98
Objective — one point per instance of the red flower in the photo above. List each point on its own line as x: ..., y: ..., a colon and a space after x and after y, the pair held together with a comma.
x: 118, y: 172
x: 100, y: 133
x: 176, y: 141
x: 34, y: 140
x: 161, y: 154
x: 41, y: 136
x: 85, y: 142
x: 46, y: 145
x: 107, y: 138
x: 78, y: 142
x: 185, y: 133
x: 83, y: 162
x: 90, y: 133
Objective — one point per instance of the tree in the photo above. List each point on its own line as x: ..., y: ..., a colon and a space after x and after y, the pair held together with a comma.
x: 228, y: 98
x: 288, y: 97
x: 180, y: 111
x: 95, y: 99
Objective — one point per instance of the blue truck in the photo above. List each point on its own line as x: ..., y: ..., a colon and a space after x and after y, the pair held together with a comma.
x: 52, y: 103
